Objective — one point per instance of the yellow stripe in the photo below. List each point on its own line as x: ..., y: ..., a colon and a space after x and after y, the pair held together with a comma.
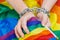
x: 56, y: 27
x: 53, y: 19
x: 7, y: 4
x: 34, y: 32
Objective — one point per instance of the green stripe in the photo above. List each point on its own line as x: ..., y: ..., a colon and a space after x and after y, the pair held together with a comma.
x: 6, y: 12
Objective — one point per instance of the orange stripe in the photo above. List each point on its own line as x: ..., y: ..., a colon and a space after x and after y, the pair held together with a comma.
x: 56, y: 9
x: 39, y: 2
x: 45, y: 32
x: 2, y: 1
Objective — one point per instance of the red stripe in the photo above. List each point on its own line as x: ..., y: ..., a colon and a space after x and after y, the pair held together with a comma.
x: 58, y: 3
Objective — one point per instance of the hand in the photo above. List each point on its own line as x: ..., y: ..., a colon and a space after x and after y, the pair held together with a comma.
x: 44, y: 19
x: 22, y: 23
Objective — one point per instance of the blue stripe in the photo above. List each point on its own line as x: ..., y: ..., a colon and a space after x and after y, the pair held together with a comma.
x: 7, y: 25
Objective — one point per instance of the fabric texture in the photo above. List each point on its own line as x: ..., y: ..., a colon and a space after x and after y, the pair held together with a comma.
x: 9, y: 19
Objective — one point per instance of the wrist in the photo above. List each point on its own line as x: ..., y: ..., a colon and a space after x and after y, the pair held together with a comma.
x: 23, y: 6
x: 43, y: 10
x: 30, y: 14
x: 27, y: 10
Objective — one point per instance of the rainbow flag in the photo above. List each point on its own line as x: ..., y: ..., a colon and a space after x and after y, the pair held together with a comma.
x: 37, y: 31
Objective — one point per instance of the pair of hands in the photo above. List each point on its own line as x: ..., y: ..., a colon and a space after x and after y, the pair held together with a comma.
x: 22, y: 23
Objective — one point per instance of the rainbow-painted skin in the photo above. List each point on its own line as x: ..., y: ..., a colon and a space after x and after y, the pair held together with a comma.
x: 37, y: 31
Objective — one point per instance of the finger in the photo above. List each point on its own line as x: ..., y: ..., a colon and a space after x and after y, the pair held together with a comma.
x: 19, y: 29
x: 40, y: 15
x: 44, y: 20
x: 16, y: 33
x: 24, y: 19
x: 24, y: 26
x: 48, y: 23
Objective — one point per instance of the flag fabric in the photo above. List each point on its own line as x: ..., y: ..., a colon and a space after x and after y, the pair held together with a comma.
x: 37, y: 31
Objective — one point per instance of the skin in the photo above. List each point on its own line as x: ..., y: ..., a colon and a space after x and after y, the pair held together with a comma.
x: 19, y: 6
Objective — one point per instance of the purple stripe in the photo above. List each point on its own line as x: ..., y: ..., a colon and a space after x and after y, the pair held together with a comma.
x: 7, y: 35
x: 32, y: 19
